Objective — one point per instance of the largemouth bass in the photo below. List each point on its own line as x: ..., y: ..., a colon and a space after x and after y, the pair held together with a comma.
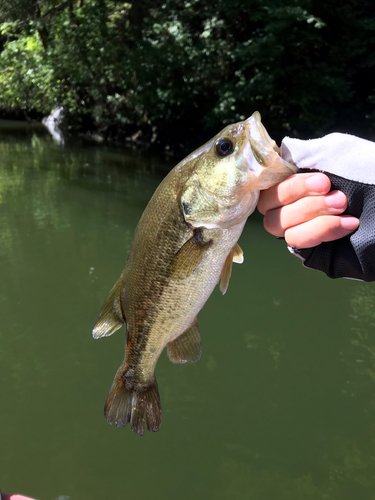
x: 184, y: 244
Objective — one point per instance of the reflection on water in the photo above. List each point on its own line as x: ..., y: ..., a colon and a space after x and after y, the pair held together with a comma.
x: 280, y: 406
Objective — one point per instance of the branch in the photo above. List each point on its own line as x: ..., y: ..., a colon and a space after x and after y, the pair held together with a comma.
x: 57, y: 8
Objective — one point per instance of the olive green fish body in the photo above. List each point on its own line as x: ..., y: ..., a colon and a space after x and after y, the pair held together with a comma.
x: 184, y: 243
x: 159, y: 301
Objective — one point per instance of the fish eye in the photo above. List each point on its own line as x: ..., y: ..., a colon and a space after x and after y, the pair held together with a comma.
x: 224, y: 146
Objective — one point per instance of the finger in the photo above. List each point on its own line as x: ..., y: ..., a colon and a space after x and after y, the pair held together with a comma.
x: 278, y: 220
x: 292, y: 189
x: 320, y: 229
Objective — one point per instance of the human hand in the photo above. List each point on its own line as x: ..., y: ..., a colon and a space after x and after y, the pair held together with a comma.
x: 304, y: 212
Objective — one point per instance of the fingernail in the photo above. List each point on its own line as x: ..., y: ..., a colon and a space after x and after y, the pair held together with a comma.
x: 336, y: 199
x: 349, y: 223
x: 317, y: 183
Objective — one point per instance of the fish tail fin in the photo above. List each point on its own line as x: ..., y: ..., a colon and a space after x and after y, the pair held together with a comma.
x: 134, y: 405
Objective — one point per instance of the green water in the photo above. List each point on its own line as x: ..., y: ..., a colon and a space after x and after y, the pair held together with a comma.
x: 281, y: 405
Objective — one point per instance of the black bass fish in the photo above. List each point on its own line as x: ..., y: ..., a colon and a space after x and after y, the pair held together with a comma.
x: 184, y: 244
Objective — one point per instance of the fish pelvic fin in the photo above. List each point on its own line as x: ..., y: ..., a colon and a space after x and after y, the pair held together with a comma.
x: 140, y: 406
x: 235, y: 255
x: 226, y: 272
x: 238, y: 257
x: 187, y: 348
x: 111, y: 317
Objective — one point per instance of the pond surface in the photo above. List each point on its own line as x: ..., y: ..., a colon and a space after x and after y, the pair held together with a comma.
x: 281, y: 405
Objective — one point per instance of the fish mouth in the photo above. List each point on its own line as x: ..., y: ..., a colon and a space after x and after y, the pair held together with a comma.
x: 262, y: 146
x: 266, y: 153
x: 256, y: 133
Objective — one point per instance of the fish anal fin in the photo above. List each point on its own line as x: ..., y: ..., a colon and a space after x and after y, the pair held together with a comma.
x: 238, y: 254
x: 189, y: 256
x: 187, y: 348
x: 111, y: 317
x: 140, y: 406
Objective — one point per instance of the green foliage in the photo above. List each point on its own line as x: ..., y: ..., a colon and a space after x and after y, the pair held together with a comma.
x: 25, y: 76
x: 305, y: 65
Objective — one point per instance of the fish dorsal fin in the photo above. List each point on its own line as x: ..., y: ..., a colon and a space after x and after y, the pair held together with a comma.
x: 189, y: 256
x: 111, y: 317
x: 187, y: 348
x: 237, y: 254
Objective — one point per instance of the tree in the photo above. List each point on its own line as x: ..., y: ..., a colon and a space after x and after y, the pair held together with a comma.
x: 175, y: 66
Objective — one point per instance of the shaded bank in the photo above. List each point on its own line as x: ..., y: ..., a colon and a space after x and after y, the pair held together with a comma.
x: 175, y: 139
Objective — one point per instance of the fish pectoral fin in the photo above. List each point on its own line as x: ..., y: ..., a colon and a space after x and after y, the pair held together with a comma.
x: 187, y: 348
x: 189, y: 256
x: 111, y: 317
x: 238, y: 254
